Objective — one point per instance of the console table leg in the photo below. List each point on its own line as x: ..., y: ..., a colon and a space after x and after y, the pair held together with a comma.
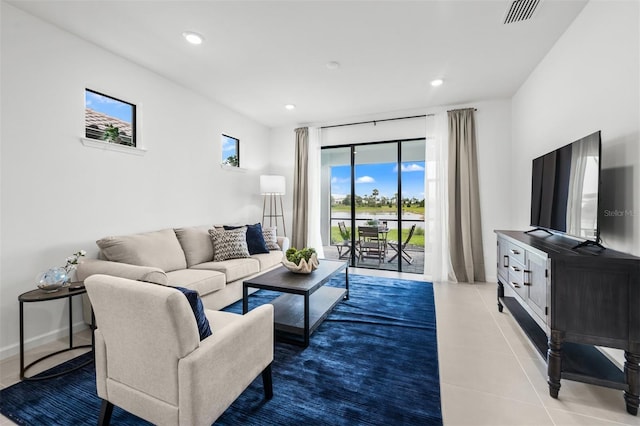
x: 554, y: 362
x: 500, y: 295
x: 632, y: 373
x: 21, y: 341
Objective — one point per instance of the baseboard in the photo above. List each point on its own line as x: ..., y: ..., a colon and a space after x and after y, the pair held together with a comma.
x: 61, y: 334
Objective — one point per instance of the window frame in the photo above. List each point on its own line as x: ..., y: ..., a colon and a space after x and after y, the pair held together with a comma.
x: 133, y: 123
x: 225, y: 161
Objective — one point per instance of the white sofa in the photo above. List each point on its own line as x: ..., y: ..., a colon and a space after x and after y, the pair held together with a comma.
x: 180, y: 257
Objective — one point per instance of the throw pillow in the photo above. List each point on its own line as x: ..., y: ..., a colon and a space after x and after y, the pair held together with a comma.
x: 255, y: 239
x: 192, y: 296
x: 230, y: 244
x: 196, y: 243
x: 270, y: 238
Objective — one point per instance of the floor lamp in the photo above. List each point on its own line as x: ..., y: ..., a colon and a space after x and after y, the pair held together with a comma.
x: 272, y: 186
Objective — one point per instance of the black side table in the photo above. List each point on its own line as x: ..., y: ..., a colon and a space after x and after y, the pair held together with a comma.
x: 42, y: 296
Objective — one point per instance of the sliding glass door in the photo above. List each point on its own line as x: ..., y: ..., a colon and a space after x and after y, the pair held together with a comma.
x: 379, y: 188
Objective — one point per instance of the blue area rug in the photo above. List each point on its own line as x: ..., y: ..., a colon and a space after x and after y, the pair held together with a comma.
x: 374, y: 361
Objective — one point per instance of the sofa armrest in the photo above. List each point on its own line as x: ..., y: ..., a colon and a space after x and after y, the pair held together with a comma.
x: 89, y: 267
x: 224, y: 364
x: 123, y: 270
x: 283, y: 242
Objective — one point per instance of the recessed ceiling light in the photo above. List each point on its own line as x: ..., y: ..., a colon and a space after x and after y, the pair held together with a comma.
x: 437, y: 82
x: 290, y: 106
x: 333, y: 65
x: 193, y: 38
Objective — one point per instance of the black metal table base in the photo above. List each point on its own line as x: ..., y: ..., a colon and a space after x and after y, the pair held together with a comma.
x: 51, y: 376
x: 40, y: 296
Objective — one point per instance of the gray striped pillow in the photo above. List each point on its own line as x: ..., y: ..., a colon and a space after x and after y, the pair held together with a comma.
x: 229, y: 244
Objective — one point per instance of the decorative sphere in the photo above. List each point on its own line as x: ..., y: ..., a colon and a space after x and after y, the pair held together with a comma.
x: 52, y: 279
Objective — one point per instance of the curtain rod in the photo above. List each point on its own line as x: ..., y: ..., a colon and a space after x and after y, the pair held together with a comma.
x: 377, y: 121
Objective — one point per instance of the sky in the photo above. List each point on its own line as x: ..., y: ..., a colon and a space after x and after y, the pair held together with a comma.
x: 109, y: 106
x: 380, y: 176
x: 228, y: 147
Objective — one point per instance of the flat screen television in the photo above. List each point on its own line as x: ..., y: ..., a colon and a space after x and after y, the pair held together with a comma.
x: 565, y: 188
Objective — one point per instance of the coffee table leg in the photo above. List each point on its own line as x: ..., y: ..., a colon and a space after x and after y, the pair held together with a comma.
x: 245, y: 299
x: 306, y: 320
x: 346, y: 281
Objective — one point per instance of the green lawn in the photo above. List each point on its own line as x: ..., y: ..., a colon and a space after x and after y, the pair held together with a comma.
x: 416, y: 240
x: 361, y: 211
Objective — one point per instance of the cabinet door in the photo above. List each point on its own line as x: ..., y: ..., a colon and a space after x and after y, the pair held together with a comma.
x: 503, y: 259
x: 536, y: 279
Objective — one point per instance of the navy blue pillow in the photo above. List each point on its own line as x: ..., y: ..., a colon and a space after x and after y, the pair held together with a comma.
x: 198, y: 311
x: 255, y: 239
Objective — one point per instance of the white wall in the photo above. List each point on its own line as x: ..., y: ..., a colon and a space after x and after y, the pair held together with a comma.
x: 493, y: 120
x: 588, y: 81
x: 59, y: 196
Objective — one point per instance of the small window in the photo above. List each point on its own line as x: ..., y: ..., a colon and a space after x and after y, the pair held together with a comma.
x: 109, y: 119
x: 230, y: 151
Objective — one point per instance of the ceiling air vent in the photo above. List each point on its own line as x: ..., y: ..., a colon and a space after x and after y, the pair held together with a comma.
x: 521, y: 10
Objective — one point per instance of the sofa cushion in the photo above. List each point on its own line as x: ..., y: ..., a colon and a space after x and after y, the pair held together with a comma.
x: 268, y: 260
x: 204, y: 282
x: 229, y: 244
x: 160, y: 249
x: 234, y: 269
x: 255, y: 239
x: 270, y: 237
x: 204, y: 330
x: 196, y: 243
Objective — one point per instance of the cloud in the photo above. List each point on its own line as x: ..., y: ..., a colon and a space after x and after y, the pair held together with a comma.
x: 410, y: 168
x: 365, y: 179
x: 101, y: 99
x: 337, y: 180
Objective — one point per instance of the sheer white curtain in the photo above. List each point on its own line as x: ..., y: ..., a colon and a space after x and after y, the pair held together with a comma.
x: 437, y: 262
x: 314, y: 237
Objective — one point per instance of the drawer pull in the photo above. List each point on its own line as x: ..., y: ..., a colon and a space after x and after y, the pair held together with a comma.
x: 515, y: 269
x: 514, y: 251
x: 516, y: 285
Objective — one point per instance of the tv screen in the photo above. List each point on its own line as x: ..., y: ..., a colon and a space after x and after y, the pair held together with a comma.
x: 564, y: 189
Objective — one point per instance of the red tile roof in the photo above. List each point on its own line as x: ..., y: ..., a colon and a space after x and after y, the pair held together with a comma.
x: 100, y: 121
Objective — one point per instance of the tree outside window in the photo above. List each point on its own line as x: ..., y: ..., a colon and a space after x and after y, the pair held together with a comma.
x: 230, y: 151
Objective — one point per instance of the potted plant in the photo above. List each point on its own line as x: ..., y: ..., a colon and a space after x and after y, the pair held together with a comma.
x: 111, y: 134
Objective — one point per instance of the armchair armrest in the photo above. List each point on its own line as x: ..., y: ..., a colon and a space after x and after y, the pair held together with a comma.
x: 225, y: 363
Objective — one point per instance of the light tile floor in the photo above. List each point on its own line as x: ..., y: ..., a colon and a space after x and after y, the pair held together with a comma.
x: 489, y: 372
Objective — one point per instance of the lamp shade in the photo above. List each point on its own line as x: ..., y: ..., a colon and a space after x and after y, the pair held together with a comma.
x: 272, y: 184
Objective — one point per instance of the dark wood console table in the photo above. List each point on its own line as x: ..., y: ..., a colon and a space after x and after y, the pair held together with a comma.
x: 579, y: 298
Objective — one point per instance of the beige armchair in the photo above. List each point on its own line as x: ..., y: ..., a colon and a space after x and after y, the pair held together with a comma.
x: 150, y: 360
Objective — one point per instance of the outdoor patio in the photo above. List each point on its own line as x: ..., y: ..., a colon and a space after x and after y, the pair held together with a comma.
x: 416, y: 266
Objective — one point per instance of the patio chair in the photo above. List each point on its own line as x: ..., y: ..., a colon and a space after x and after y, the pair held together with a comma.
x: 400, y: 248
x: 344, y: 246
x: 371, y: 244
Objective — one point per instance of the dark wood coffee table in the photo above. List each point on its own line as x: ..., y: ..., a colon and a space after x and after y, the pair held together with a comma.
x: 306, y: 301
